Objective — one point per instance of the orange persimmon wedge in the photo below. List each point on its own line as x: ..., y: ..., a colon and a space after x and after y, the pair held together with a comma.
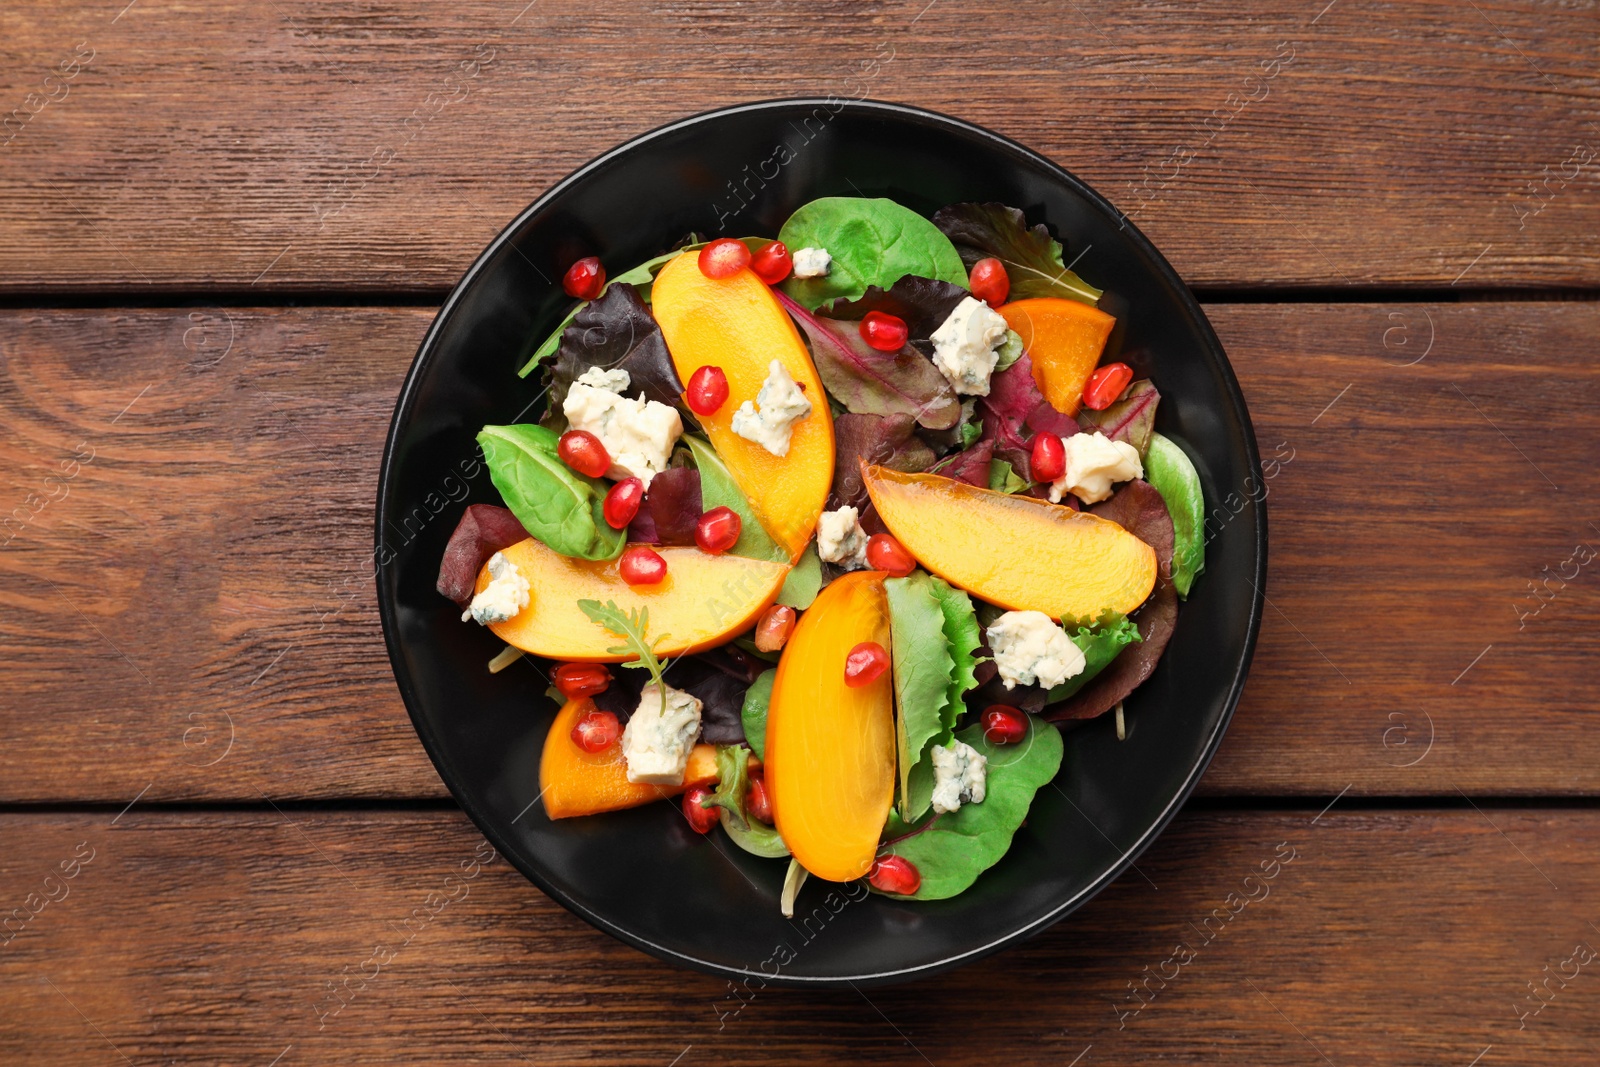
x: 735, y: 323
x: 1064, y: 340
x: 830, y: 747
x: 703, y: 600
x: 575, y: 782
x: 1016, y: 551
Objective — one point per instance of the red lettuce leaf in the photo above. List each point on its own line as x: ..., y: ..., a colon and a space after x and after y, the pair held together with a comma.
x: 889, y: 440
x: 869, y: 382
x: 673, y: 501
x: 1138, y: 508
x: 922, y: 303
x: 616, y: 332
x: 484, y: 529
x: 970, y: 465
x: 1032, y: 257
x: 1131, y: 419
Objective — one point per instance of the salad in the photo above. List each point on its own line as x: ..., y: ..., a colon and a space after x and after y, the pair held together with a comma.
x: 823, y: 535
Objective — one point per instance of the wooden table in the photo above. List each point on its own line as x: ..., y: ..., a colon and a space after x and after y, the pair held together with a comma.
x: 227, y: 226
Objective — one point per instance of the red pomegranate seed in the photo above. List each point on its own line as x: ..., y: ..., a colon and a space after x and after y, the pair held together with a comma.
x: 576, y: 680
x: 596, y: 731
x: 1049, y: 459
x: 1105, y: 385
x: 622, y: 502
x: 884, y: 553
x: 756, y: 801
x: 708, y: 390
x: 584, y: 279
x: 718, y: 530
x: 895, y: 874
x: 774, y: 627
x: 773, y: 263
x: 864, y: 664
x: 723, y: 258
x: 1004, y: 725
x: 702, y: 819
x: 989, y: 281
x: 583, y: 452
x: 886, y: 333
x: 641, y: 565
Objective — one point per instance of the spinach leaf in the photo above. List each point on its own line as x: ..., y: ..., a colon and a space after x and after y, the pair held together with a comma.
x: 617, y: 332
x: 1131, y: 419
x: 869, y: 382
x: 924, y: 671
x: 951, y: 851
x: 872, y: 242
x: 1032, y: 257
x: 553, y: 502
x: 718, y: 489
x: 1169, y: 469
x: 754, y: 714
x: 750, y: 834
x: 804, y: 581
x: 1100, y: 645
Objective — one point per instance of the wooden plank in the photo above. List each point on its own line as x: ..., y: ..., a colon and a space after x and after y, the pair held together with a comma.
x: 1263, y: 938
x: 309, y: 144
x: 192, y: 612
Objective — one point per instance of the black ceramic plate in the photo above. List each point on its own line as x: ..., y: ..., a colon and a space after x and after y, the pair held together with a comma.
x: 643, y: 875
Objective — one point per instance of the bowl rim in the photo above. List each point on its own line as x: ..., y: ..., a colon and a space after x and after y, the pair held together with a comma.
x: 917, y: 116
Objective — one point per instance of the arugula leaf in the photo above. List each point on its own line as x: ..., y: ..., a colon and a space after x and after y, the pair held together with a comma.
x: 951, y: 851
x: 617, y: 332
x: 1100, y: 644
x: 924, y: 673
x: 1131, y: 419
x: 1032, y: 257
x: 869, y: 382
x: 752, y: 835
x: 1003, y: 478
x: 872, y: 242
x: 754, y: 715
x: 718, y: 489
x: 632, y: 628
x: 804, y: 581
x: 553, y: 502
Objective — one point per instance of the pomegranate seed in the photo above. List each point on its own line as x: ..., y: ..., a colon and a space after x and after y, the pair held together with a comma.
x: 622, y: 502
x: 641, y: 565
x: 774, y: 627
x: 1003, y: 725
x: 708, y: 390
x: 864, y: 664
x: 1049, y: 459
x: 583, y: 452
x: 718, y: 530
x: 773, y: 263
x: 989, y: 281
x: 756, y: 801
x: 895, y: 874
x: 1105, y: 385
x: 884, y: 553
x: 701, y: 819
x: 723, y: 258
x: 576, y: 680
x: 596, y: 731
x: 886, y: 333
x: 584, y: 279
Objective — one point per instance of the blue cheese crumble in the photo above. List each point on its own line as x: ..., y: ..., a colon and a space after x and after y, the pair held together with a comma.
x: 769, y: 422
x: 960, y: 776
x: 1030, y: 649
x: 504, y: 596
x: 659, y: 735
x: 964, y: 346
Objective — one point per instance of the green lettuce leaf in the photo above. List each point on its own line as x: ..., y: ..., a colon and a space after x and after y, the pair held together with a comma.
x: 718, y: 489
x: 754, y: 714
x: 750, y: 834
x: 924, y: 674
x: 951, y: 851
x: 1032, y: 257
x: 553, y: 502
x: 872, y: 242
x: 804, y: 581
x: 1100, y: 645
x: 1003, y: 478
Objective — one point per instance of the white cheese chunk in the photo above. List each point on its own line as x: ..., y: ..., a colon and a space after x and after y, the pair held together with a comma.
x: 964, y: 346
x: 960, y: 775
x: 1094, y: 462
x: 769, y: 422
x: 841, y: 540
x: 504, y: 596
x: 638, y: 434
x: 615, y: 381
x: 1030, y: 649
x: 811, y: 262
x: 659, y: 735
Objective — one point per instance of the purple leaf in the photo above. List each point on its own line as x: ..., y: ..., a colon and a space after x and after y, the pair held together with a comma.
x: 1031, y: 256
x: 616, y: 332
x: 970, y: 466
x: 1014, y: 411
x: 1131, y: 419
x: 673, y: 501
x: 869, y: 382
x: 922, y: 303
x: 884, y: 439
x: 483, y: 530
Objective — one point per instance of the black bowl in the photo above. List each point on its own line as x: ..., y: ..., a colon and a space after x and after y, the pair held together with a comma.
x: 643, y: 875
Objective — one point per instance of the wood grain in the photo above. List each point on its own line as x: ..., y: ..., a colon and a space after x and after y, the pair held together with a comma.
x: 308, y: 144
x: 1367, y: 937
x: 194, y: 615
